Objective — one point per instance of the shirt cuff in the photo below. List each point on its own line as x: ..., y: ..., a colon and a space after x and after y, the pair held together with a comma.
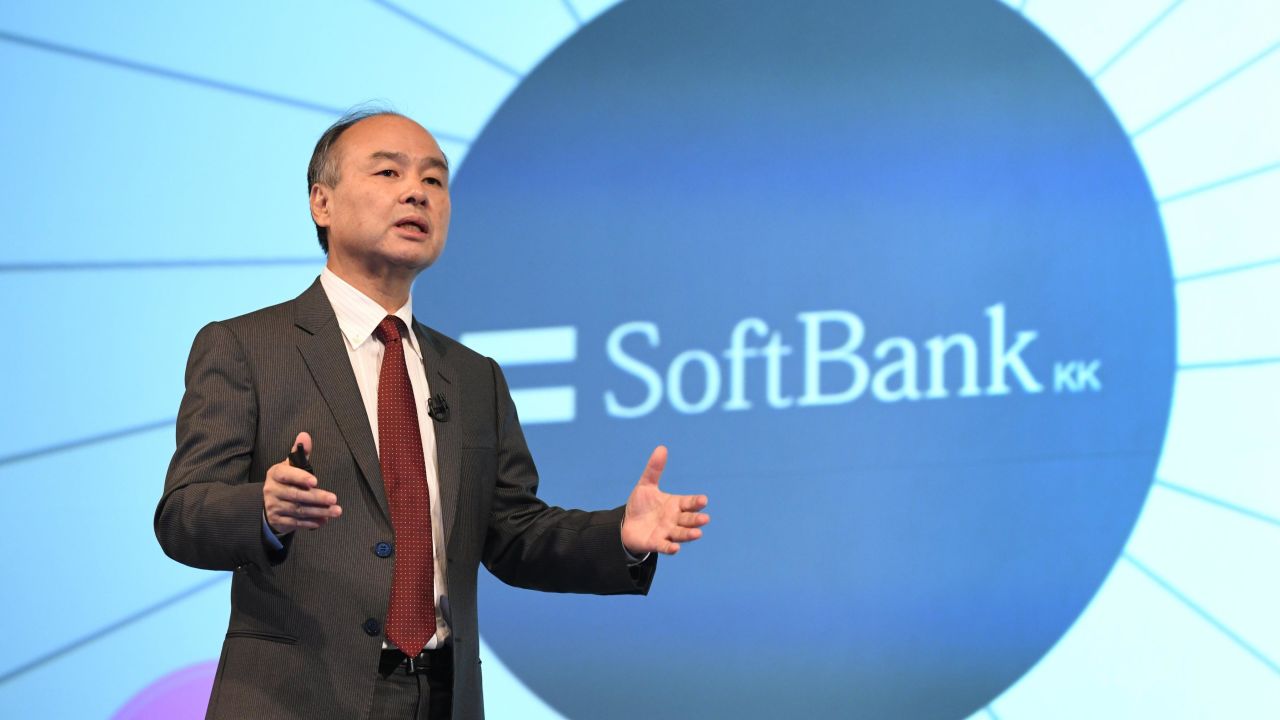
x: 273, y: 541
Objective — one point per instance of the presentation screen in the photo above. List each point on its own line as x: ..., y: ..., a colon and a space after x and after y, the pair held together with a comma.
x: 961, y: 312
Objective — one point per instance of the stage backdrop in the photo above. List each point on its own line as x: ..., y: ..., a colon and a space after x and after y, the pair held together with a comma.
x: 962, y: 312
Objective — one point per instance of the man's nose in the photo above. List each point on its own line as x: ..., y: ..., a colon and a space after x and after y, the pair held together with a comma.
x: 415, y: 195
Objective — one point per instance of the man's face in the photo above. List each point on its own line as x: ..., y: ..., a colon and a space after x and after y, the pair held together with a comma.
x: 389, y: 211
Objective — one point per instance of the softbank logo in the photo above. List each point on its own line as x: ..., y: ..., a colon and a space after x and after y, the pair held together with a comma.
x: 533, y: 346
x: 752, y: 369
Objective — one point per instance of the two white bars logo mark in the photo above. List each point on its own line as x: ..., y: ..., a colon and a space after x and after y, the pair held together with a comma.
x: 533, y: 346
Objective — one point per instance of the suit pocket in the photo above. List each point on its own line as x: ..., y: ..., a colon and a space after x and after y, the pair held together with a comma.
x: 259, y: 635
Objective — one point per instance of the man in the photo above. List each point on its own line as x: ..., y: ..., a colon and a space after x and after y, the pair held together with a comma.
x: 354, y: 591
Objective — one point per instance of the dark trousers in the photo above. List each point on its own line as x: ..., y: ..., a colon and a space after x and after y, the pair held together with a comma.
x: 423, y: 695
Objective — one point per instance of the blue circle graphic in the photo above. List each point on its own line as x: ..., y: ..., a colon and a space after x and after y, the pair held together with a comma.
x: 889, y: 280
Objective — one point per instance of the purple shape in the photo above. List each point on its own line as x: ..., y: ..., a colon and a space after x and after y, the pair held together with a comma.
x: 180, y: 694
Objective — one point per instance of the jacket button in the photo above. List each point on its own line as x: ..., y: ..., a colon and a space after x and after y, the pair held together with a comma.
x: 372, y: 627
x: 383, y: 549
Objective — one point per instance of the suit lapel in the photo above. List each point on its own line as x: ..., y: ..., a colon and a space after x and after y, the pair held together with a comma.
x: 324, y: 351
x: 448, y: 434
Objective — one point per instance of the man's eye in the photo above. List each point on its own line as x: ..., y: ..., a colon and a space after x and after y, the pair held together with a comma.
x: 433, y: 181
x: 387, y: 173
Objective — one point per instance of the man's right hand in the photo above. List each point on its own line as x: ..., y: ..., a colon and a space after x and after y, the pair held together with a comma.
x: 292, y: 498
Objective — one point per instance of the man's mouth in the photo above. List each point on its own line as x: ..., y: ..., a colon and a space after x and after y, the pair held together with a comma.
x: 414, y: 225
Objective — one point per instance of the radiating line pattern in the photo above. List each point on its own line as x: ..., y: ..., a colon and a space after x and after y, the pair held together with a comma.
x: 212, y: 84
x: 1219, y: 184
x: 168, y: 73
x: 112, y: 627
x: 1220, y: 364
x: 1223, y: 182
x: 1133, y: 41
x: 190, y: 78
x: 1202, y: 92
x: 1229, y: 270
x: 573, y: 12
x: 101, y: 265
x: 1204, y: 614
x: 85, y: 441
x: 1218, y: 502
x: 449, y: 38
x: 1212, y: 185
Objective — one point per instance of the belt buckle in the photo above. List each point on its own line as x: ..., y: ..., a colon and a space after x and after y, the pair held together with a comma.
x: 411, y: 666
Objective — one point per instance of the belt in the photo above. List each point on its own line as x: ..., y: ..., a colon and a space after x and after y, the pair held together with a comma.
x: 438, y: 660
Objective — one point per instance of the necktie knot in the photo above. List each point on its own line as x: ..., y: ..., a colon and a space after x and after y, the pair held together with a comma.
x: 389, y: 330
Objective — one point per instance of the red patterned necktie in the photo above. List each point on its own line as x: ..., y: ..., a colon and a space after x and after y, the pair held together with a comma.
x: 412, y: 619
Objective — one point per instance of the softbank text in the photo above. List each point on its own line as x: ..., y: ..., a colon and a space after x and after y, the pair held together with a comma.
x: 892, y: 372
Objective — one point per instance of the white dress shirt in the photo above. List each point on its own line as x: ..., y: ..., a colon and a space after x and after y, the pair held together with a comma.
x: 358, y: 315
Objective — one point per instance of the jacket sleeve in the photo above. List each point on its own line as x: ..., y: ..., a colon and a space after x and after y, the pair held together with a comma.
x: 210, y: 515
x: 532, y: 545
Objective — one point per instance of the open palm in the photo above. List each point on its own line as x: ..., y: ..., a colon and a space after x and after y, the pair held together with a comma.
x: 656, y: 521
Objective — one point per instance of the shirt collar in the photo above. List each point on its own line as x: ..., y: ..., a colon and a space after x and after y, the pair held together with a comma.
x: 358, y: 314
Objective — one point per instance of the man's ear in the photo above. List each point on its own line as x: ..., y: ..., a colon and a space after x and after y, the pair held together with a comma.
x: 320, y: 204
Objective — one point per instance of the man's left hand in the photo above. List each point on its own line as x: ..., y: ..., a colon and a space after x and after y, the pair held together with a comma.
x: 656, y: 521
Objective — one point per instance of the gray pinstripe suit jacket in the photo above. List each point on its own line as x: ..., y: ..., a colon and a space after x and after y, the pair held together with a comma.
x: 297, y: 644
